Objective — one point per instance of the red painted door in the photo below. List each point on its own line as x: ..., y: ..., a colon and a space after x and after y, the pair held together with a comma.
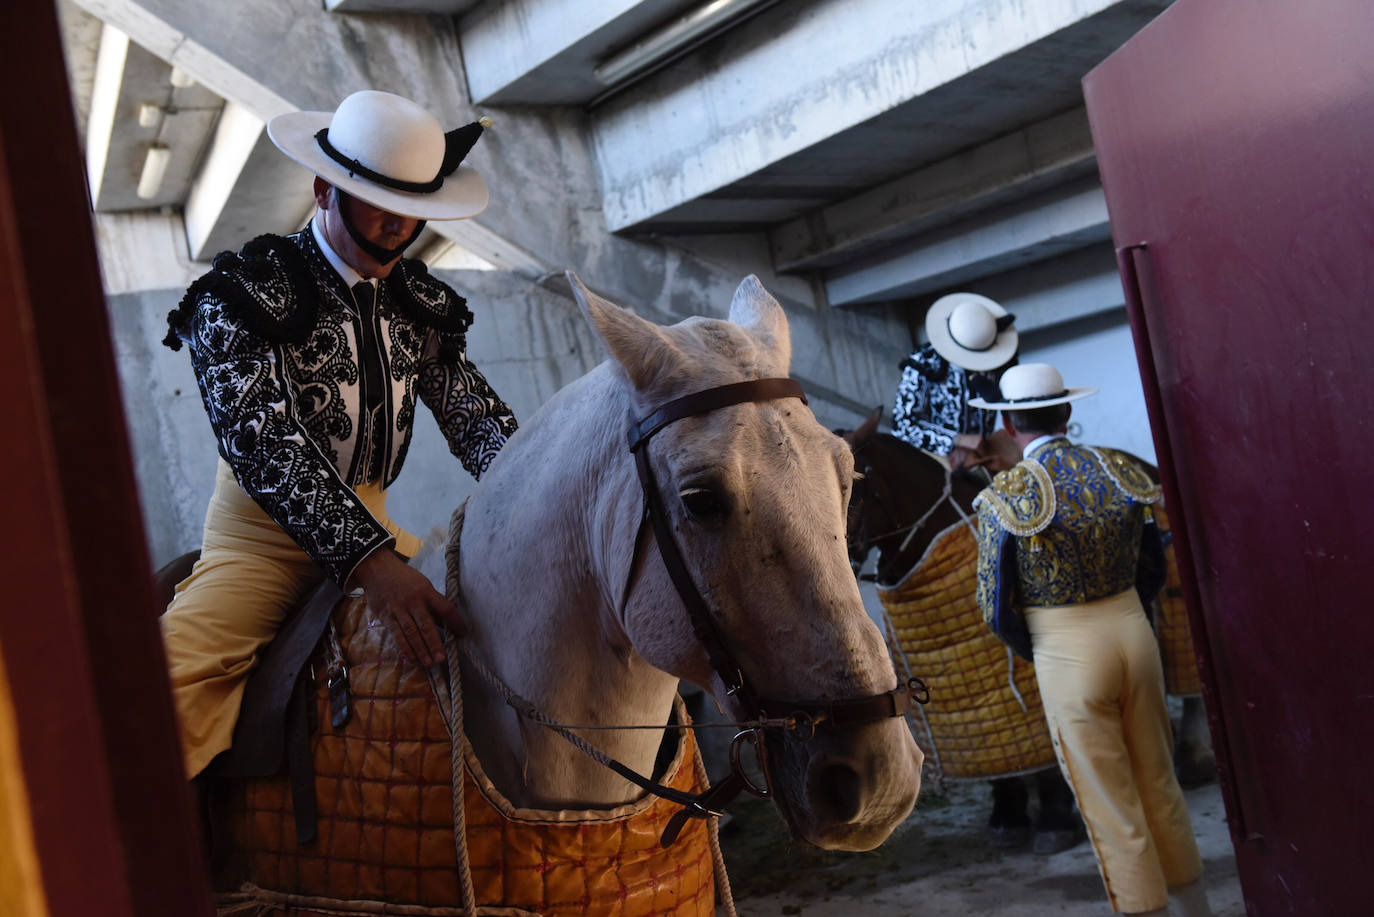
x: 1236, y: 144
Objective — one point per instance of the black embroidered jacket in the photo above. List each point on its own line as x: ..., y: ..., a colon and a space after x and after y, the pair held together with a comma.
x: 932, y: 407
x: 280, y: 349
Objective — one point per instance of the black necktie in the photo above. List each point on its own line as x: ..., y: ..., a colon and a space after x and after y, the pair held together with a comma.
x: 372, y: 425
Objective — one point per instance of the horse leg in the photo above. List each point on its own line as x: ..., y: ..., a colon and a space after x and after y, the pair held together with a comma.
x: 1009, y: 826
x: 1058, y: 826
x: 1194, y: 762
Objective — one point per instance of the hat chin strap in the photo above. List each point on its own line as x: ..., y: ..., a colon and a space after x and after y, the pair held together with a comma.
x: 381, y: 255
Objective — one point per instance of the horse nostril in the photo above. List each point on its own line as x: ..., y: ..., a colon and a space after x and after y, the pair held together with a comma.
x: 836, y: 793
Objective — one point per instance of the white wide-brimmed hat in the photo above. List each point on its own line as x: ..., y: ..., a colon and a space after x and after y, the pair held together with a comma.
x: 388, y: 151
x: 971, y: 331
x: 1032, y: 385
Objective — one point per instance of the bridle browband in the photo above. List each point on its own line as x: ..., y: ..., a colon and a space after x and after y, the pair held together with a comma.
x: 802, y: 718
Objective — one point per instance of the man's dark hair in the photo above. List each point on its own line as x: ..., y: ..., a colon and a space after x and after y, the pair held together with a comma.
x: 1041, y: 421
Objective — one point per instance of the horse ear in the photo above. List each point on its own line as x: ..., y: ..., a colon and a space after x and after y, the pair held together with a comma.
x: 755, y: 309
x: 639, y: 346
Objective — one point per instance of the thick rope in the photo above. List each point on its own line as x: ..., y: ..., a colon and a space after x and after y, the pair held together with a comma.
x: 725, y: 898
x: 457, y: 742
x: 453, y: 700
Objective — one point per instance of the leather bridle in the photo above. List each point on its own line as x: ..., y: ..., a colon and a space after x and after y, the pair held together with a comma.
x: 801, y: 717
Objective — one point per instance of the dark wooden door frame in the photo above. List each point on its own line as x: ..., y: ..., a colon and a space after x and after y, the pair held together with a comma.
x: 99, y: 750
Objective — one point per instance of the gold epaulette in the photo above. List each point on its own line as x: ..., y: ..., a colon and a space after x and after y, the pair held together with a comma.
x: 1126, y: 473
x: 1022, y: 498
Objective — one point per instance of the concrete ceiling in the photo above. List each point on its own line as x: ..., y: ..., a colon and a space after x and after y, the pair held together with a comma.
x: 883, y: 149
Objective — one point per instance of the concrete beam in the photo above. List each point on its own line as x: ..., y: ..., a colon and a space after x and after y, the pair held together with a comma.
x: 143, y: 250
x: 1081, y: 285
x: 128, y: 78
x: 725, y: 118
x: 245, y: 188
x: 424, y: 7
x: 1014, y: 165
x: 1061, y: 220
x: 542, y: 52
x: 80, y: 46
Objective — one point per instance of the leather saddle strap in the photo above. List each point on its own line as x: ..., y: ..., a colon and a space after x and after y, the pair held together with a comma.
x: 300, y: 763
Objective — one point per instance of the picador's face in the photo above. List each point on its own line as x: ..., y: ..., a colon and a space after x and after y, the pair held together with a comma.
x: 382, y: 228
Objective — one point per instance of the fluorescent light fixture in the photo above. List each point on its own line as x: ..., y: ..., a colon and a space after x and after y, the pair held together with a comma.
x: 673, y: 38
x: 149, y: 115
x: 154, y: 170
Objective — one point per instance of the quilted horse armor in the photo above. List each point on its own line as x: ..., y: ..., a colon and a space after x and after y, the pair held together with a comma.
x: 386, y: 820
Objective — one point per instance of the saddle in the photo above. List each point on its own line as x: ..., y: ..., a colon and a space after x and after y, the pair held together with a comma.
x: 274, y: 725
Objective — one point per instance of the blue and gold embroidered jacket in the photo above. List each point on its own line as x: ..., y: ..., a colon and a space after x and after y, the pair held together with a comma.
x: 1065, y: 526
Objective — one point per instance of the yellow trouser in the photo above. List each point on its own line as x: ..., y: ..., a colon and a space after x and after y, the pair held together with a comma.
x: 250, y: 574
x: 1103, y: 688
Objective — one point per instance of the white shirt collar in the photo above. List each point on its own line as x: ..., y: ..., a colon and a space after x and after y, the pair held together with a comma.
x: 1041, y: 441
x: 340, y: 266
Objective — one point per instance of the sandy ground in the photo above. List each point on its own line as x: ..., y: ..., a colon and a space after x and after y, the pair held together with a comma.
x: 938, y: 864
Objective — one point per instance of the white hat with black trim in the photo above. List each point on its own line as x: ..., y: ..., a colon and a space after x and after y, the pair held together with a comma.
x: 971, y: 331
x: 1027, y: 386
x: 388, y: 151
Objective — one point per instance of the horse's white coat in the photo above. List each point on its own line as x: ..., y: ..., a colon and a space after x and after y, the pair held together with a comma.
x: 546, y: 555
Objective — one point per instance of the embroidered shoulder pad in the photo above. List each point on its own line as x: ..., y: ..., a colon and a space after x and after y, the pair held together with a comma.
x: 1022, y: 498
x: 427, y: 300
x: 1126, y: 472
x: 267, y: 285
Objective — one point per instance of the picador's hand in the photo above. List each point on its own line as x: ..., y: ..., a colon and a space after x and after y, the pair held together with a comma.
x: 403, y: 598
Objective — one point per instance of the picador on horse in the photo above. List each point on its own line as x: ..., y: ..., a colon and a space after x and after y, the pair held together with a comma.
x: 674, y: 514
x: 311, y: 352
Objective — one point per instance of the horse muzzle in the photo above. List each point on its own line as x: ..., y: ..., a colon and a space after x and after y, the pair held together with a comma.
x: 846, y: 789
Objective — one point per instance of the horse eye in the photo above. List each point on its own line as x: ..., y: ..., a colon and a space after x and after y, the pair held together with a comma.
x: 705, y: 504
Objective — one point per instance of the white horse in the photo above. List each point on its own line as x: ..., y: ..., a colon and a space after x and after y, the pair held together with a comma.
x: 756, y: 494
x: 571, y: 604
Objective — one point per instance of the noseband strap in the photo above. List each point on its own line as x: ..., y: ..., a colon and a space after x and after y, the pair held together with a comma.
x: 802, y: 717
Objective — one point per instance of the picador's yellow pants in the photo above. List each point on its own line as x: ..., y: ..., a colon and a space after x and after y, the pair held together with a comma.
x: 1100, y: 678
x: 250, y: 574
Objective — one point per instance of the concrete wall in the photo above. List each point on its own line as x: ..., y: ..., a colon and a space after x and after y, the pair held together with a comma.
x: 1099, y: 352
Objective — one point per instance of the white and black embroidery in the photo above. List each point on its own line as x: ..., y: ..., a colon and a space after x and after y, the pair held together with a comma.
x: 286, y: 409
x: 474, y: 420
x: 932, y: 407
x: 252, y: 409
